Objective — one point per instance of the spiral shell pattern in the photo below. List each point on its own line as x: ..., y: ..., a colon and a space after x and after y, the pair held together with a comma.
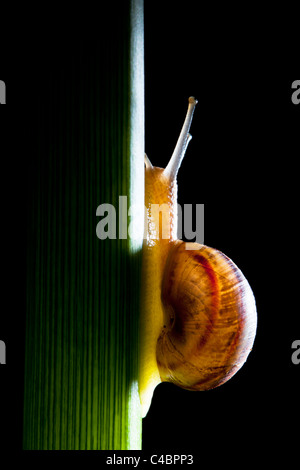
x: 209, y: 318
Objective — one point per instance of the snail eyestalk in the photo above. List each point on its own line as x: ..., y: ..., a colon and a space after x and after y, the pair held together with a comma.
x: 182, y: 143
x: 147, y: 161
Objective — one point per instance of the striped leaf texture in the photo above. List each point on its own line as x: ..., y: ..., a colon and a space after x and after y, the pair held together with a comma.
x: 82, y: 307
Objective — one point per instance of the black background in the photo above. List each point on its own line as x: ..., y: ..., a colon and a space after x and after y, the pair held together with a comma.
x: 241, y: 163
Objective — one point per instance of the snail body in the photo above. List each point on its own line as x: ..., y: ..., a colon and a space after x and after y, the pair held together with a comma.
x: 198, y: 319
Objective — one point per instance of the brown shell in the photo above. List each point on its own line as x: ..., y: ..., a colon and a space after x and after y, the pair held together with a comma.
x: 210, y: 318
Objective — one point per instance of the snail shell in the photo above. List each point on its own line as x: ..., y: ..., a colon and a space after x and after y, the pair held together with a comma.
x: 210, y: 318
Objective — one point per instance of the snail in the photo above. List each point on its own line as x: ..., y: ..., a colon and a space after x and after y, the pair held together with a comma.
x: 198, y: 319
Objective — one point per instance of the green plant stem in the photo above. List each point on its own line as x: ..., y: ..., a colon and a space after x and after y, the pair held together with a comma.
x: 81, y: 352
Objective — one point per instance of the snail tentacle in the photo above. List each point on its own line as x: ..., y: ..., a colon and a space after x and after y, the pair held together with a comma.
x: 172, y: 168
